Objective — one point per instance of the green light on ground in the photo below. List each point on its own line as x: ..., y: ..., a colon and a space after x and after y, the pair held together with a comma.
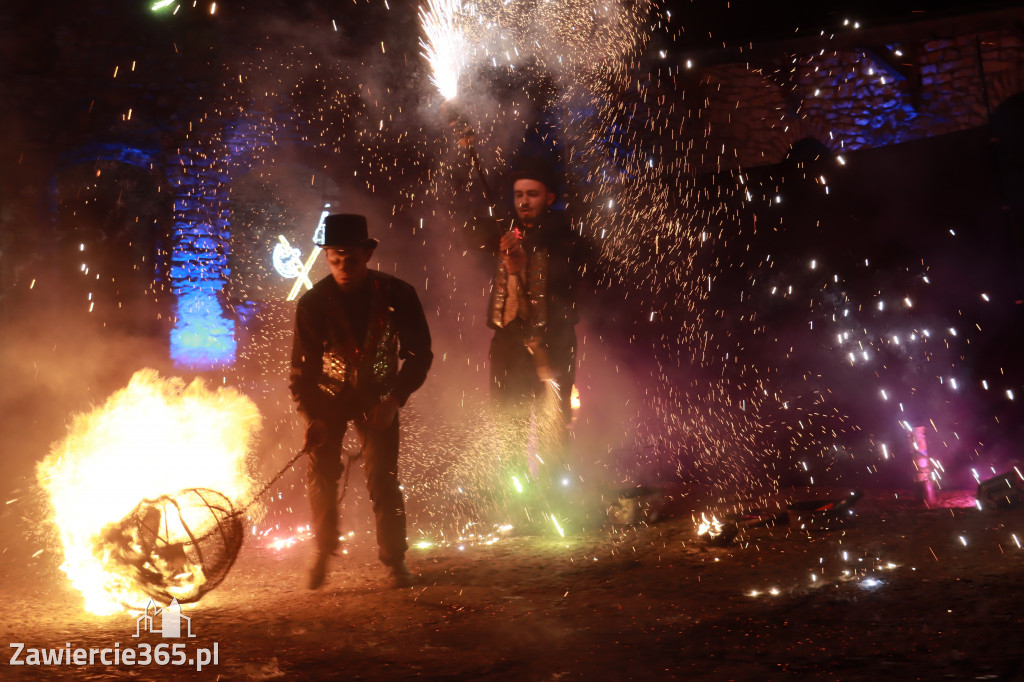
x: 160, y: 4
x: 517, y: 484
x: 557, y: 526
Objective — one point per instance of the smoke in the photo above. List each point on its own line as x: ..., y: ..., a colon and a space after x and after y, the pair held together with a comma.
x: 57, y: 360
x: 661, y: 402
x: 340, y: 110
x: 352, y: 113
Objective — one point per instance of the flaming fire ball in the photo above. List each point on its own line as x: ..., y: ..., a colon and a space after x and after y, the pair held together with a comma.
x: 176, y: 547
x: 145, y: 491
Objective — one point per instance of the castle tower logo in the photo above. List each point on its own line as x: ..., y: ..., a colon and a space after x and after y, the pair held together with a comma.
x: 170, y: 618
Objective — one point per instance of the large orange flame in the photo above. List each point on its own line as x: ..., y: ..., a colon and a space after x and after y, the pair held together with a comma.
x: 155, y: 437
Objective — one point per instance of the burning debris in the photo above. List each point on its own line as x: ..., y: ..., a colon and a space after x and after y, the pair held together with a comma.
x: 806, y: 515
x: 639, y: 505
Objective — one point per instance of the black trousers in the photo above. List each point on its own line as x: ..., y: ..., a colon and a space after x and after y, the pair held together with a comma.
x: 380, y: 461
x: 519, y: 394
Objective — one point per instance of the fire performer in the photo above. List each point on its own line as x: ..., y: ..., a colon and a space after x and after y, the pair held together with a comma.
x: 352, y: 329
x: 532, y: 311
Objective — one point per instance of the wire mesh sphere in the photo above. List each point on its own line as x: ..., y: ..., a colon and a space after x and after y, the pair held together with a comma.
x: 177, y: 546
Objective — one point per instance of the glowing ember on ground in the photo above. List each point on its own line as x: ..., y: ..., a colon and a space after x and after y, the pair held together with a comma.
x: 711, y: 527
x: 155, y: 437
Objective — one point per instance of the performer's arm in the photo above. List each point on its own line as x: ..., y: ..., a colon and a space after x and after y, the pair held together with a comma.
x: 306, y: 364
x: 414, y: 342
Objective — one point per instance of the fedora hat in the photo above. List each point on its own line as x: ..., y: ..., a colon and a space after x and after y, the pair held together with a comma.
x: 346, y: 230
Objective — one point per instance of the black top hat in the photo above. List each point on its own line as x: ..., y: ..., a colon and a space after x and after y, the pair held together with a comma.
x: 345, y: 230
x: 535, y: 169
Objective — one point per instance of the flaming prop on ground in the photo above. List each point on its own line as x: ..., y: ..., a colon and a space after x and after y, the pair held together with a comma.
x: 147, y: 490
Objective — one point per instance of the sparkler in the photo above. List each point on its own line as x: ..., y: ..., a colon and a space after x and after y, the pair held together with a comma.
x: 466, y: 138
x: 445, y: 44
x: 445, y: 50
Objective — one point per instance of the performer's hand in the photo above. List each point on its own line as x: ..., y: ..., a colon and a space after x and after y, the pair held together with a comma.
x: 545, y: 373
x: 459, y: 125
x: 316, y: 433
x: 511, y: 246
x: 540, y: 359
x: 510, y: 240
x: 382, y: 414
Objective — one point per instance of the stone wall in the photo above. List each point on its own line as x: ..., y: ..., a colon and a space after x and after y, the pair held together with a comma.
x: 751, y: 112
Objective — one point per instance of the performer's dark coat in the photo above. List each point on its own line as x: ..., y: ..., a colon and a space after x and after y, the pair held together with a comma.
x: 345, y: 359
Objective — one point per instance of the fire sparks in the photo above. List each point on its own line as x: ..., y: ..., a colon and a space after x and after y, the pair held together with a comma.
x: 153, y: 438
x: 445, y: 45
x: 710, y: 527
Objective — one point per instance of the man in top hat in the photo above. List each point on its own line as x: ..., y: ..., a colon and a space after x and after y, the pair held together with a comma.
x: 361, y: 348
x: 532, y: 311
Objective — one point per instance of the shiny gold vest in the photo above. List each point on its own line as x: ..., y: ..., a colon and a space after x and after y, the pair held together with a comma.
x: 370, y: 368
x: 535, y: 287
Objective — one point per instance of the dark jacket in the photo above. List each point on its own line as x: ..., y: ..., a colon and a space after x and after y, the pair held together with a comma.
x: 555, y: 256
x: 347, y: 347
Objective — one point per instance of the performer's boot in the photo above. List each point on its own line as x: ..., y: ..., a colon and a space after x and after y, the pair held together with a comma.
x: 401, y: 576
x: 318, y: 571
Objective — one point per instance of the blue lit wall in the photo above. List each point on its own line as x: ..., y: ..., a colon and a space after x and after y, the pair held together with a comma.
x: 203, y: 337
x: 736, y: 114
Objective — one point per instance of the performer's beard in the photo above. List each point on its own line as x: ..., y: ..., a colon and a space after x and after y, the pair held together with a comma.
x: 526, y: 217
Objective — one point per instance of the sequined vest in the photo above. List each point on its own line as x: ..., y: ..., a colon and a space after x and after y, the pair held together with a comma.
x: 369, y: 369
x: 535, y: 291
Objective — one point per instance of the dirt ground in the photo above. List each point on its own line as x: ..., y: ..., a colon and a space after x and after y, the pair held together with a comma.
x: 899, y: 591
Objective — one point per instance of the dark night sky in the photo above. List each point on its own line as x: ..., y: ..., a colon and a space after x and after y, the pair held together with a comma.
x: 740, y: 21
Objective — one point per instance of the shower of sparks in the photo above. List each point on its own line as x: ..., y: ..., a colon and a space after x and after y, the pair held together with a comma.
x: 655, y: 187
x: 444, y: 46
